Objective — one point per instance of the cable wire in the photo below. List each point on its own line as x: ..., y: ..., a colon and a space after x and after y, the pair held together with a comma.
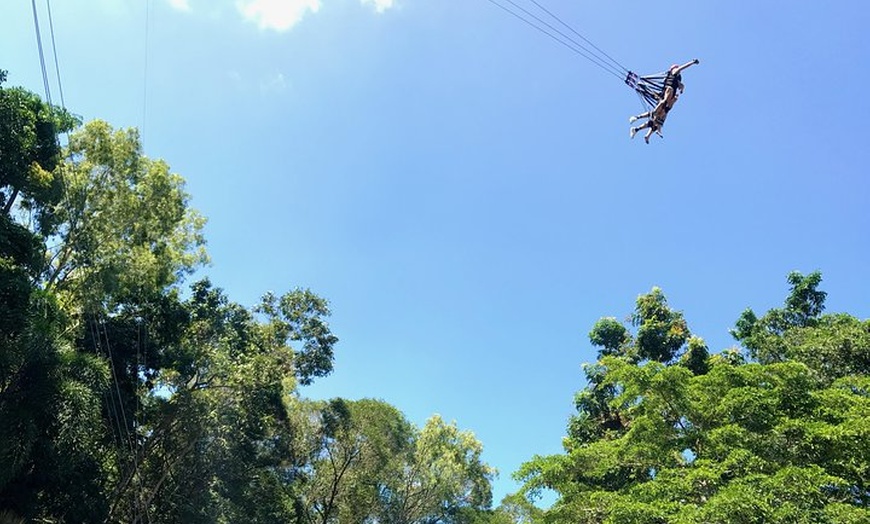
x: 62, y: 167
x: 41, y: 54
x: 114, y: 419
x: 117, y: 415
x: 562, y: 38
x: 123, y: 412
x: 54, y: 52
x: 145, y: 76
x: 544, y: 9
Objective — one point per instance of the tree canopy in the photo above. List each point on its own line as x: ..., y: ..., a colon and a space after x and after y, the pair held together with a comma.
x: 665, y: 432
x: 128, y: 394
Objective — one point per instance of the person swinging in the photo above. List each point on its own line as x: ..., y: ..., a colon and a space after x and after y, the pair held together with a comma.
x: 672, y: 88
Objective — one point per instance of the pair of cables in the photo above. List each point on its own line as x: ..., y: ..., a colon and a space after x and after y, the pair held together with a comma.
x: 537, y: 16
x: 45, y: 80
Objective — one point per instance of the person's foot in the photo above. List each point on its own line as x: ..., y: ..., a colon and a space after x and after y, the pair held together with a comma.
x: 632, y: 119
x: 646, y: 139
x: 632, y: 132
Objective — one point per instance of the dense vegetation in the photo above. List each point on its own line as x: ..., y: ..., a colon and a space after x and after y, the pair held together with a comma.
x: 128, y: 394
x: 665, y: 432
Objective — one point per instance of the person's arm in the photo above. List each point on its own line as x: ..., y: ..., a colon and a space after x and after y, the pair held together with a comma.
x: 687, y: 65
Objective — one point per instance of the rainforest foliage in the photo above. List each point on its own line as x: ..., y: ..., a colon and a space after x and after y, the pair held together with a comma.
x: 665, y: 432
x: 130, y: 392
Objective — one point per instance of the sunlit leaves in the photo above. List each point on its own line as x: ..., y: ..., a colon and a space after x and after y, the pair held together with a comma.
x: 298, y: 317
x: 371, y: 465
x: 714, y: 438
x: 29, y: 151
x: 661, y: 331
x: 610, y: 335
x: 126, y: 227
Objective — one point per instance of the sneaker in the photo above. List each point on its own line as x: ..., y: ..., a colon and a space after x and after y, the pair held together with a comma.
x: 632, y: 119
x: 646, y: 139
x: 632, y: 132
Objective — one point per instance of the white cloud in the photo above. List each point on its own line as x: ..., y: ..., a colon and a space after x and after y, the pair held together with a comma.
x: 380, y: 5
x: 181, y: 5
x: 278, y: 15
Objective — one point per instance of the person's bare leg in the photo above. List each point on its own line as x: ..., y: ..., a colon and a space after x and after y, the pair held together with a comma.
x: 634, y: 130
x: 633, y: 119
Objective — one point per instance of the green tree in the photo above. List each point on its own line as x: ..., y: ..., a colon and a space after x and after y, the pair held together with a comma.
x: 717, y: 439
x: 50, y: 457
x: 610, y: 335
x: 440, y: 480
x: 125, y: 231
x: 696, y: 356
x: 661, y: 331
x: 298, y: 316
x: 222, y: 434
x: 119, y: 400
x: 371, y: 465
x: 356, y: 450
x: 123, y: 401
x: 29, y: 153
x: 832, y: 345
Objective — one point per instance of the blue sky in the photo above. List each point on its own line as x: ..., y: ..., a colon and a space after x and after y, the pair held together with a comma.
x: 463, y: 189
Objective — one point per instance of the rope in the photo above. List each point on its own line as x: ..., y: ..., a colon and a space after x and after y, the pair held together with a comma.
x: 562, y: 38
